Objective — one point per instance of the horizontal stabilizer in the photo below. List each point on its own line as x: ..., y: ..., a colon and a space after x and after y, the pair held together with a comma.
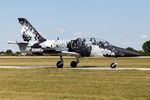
x: 12, y: 42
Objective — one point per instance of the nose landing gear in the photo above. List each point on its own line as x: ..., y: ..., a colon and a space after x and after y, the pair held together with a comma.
x: 113, y: 65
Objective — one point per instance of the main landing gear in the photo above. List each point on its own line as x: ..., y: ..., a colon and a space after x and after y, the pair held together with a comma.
x: 113, y: 65
x: 60, y: 63
x: 73, y: 64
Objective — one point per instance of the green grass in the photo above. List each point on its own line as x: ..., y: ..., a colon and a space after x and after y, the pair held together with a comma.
x: 102, y: 62
x: 69, y: 84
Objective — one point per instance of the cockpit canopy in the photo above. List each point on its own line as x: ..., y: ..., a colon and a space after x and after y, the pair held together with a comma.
x: 94, y: 41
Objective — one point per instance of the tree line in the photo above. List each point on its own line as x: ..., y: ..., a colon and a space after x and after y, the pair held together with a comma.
x: 9, y: 52
x: 145, y: 47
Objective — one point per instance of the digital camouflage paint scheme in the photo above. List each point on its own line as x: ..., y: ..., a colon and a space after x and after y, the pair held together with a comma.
x: 34, y: 43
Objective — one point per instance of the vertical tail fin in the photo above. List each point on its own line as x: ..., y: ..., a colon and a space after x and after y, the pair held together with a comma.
x: 29, y: 33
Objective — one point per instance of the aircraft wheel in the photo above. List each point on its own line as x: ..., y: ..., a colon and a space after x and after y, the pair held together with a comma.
x: 59, y: 64
x: 113, y: 65
x: 73, y: 64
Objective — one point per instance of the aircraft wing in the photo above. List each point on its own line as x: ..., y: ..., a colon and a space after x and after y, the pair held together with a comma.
x: 70, y: 53
x: 53, y: 52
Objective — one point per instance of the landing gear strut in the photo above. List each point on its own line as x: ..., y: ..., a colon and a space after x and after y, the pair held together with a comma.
x: 113, y: 65
x: 60, y: 63
x: 73, y: 64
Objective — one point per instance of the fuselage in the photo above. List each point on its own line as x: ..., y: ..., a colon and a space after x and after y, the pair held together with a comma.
x: 85, y: 47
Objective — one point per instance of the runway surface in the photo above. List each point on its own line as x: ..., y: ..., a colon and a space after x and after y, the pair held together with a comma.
x: 90, y: 68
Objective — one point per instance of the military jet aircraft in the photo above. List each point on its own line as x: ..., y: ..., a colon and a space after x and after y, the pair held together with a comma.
x: 34, y: 43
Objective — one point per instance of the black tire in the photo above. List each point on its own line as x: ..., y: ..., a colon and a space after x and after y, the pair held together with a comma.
x: 59, y: 64
x: 113, y: 65
x: 73, y: 64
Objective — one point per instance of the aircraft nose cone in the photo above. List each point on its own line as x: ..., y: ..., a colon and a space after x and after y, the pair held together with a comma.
x: 121, y: 52
x: 128, y: 53
x: 132, y: 53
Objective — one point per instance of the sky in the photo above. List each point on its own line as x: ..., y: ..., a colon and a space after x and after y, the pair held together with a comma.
x: 124, y: 23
